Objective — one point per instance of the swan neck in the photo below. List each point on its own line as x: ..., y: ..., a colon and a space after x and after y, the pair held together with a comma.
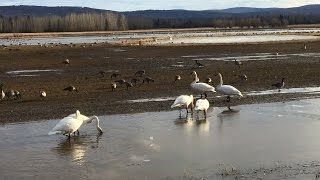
x: 97, y: 123
x: 195, y: 78
x: 221, y: 81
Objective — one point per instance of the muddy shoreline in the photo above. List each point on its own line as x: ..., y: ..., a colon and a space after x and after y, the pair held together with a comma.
x: 160, y: 63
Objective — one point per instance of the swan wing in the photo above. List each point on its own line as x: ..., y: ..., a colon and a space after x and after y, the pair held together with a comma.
x: 204, y: 87
x: 201, y: 105
x: 183, y: 100
x: 229, y: 90
x: 66, y: 125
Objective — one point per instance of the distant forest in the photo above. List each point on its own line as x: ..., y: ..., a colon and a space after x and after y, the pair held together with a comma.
x: 255, y: 21
x: 111, y: 21
x: 69, y: 23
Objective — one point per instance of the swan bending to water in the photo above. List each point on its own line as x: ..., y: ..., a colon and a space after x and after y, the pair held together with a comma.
x: 183, y: 101
x: 201, y: 87
x: 202, y: 105
x: 72, y: 123
x: 227, y: 89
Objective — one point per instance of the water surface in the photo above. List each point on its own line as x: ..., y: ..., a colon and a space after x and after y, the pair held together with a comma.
x: 158, y: 145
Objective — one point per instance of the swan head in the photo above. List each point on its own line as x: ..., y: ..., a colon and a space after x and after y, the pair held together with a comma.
x: 193, y: 73
x: 218, y: 74
x: 191, y: 96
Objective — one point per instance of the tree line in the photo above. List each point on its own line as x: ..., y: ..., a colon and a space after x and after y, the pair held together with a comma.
x: 254, y: 21
x: 110, y: 21
x: 69, y: 23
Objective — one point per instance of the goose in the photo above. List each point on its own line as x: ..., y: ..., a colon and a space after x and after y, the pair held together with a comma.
x: 134, y: 81
x: 200, y: 86
x: 13, y: 94
x: 120, y: 81
x: 113, y: 86
x: 199, y: 64
x: 115, y: 75
x: 72, y: 123
x: 208, y: 80
x: 237, y: 63
x: 148, y: 80
x: 128, y: 84
x: 70, y: 88
x: 3, y: 95
x: 183, y: 101
x: 243, y: 77
x: 43, y: 94
x: 66, y: 61
x: 202, y: 105
x: 280, y: 84
x: 227, y: 89
x: 177, y: 78
x: 140, y: 72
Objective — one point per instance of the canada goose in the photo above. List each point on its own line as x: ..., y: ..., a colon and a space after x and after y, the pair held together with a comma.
x: 3, y: 95
x: 148, y: 80
x: 280, y: 84
x: 200, y: 87
x: 237, y: 63
x: 120, y: 81
x: 70, y: 88
x: 177, y: 78
x: 183, y: 101
x: 243, y: 77
x: 135, y: 80
x: 208, y: 80
x: 128, y: 84
x: 140, y: 73
x: 227, y: 89
x: 72, y: 123
x: 115, y: 75
x: 199, y: 64
x: 43, y: 94
x: 113, y: 86
x: 66, y: 61
x: 13, y: 94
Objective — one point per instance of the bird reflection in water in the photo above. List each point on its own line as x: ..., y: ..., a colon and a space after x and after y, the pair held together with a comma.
x: 76, y: 148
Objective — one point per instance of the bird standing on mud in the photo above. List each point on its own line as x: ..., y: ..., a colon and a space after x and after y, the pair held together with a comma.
x: 199, y: 64
x: 113, y: 86
x: 70, y: 88
x: 237, y: 63
x: 115, y: 75
x: 279, y: 85
x: 66, y: 61
x: 140, y: 73
x: 177, y: 78
x: 43, y: 94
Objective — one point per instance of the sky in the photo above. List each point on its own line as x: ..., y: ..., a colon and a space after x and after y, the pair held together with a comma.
x: 131, y: 5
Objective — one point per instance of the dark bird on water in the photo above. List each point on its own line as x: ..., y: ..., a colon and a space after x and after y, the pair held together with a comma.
x: 70, y: 88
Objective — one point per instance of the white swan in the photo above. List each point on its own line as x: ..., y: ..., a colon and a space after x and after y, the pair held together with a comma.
x: 227, y: 89
x: 202, y: 105
x: 183, y: 101
x: 200, y: 87
x: 72, y: 123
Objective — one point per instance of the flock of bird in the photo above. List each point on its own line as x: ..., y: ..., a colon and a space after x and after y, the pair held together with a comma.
x: 73, y: 122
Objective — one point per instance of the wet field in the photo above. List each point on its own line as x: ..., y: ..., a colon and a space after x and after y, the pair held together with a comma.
x: 272, y: 140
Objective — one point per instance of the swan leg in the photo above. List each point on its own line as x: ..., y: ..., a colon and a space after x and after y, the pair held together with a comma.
x: 78, y: 132
x: 180, y: 113
x: 205, y: 95
x: 197, y: 115
x: 205, y: 114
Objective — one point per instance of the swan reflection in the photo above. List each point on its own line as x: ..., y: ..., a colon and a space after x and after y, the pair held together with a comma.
x: 75, y: 148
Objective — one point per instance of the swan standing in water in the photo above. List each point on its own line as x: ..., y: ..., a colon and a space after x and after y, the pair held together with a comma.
x: 201, y: 87
x: 202, y: 105
x: 183, y: 101
x: 72, y: 123
x: 227, y: 89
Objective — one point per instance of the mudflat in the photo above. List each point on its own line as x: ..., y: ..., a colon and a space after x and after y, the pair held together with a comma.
x: 91, y: 67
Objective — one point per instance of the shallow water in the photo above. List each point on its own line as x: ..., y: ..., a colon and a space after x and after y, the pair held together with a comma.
x: 178, y: 37
x: 158, y: 145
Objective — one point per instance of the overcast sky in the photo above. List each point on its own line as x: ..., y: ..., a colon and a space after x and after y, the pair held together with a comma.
x: 130, y: 5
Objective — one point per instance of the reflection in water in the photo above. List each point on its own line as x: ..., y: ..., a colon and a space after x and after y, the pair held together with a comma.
x: 75, y: 148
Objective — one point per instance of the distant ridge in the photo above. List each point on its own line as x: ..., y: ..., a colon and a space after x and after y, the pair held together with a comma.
x: 177, y: 13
